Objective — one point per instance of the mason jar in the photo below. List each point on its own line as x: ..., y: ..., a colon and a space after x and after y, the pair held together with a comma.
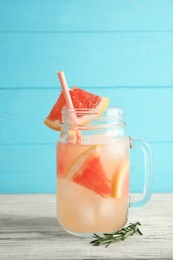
x: 93, y: 171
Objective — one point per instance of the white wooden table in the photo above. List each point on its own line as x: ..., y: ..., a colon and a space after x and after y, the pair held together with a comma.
x: 29, y: 230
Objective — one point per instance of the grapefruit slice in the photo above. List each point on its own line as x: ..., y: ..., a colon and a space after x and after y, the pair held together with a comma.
x: 88, y: 172
x: 80, y: 99
x: 67, y: 154
x: 120, y: 181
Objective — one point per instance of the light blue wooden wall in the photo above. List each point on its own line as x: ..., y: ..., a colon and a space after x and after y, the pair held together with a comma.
x: 118, y: 48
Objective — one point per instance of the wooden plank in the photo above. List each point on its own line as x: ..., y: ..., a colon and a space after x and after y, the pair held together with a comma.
x: 90, y: 15
x: 31, y: 168
x: 147, y: 113
x: 29, y: 230
x: 88, y: 59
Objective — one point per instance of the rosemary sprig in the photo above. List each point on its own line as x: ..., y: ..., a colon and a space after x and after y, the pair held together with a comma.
x: 122, y: 234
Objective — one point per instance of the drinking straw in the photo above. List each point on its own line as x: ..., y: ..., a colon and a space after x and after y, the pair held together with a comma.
x: 67, y: 97
x: 65, y: 89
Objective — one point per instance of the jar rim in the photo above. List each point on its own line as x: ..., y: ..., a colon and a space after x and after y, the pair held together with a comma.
x: 91, y: 110
x: 102, y: 117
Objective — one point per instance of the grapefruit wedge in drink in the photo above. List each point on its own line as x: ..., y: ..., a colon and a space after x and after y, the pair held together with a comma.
x: 87, y: 171
x: 88, y: 166
x: 120, y: 181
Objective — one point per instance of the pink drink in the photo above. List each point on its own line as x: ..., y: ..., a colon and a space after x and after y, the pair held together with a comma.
x: 93, y: 163
x: 93, y: 184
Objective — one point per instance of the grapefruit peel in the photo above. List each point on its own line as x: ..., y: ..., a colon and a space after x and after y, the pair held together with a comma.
x: 120, y: 181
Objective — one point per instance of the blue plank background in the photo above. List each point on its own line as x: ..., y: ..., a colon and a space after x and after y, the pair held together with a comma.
x: 120, y: 49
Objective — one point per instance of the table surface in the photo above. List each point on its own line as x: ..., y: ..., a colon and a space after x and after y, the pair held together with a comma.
x: 29, y: 230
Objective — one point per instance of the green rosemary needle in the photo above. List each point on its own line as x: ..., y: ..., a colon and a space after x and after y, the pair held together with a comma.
x: 122, y: 234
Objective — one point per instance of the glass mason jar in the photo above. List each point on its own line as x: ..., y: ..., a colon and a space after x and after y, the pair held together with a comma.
x: 93, y: 171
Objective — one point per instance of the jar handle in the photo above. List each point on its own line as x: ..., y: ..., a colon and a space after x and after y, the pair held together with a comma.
x: 138, y: 201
